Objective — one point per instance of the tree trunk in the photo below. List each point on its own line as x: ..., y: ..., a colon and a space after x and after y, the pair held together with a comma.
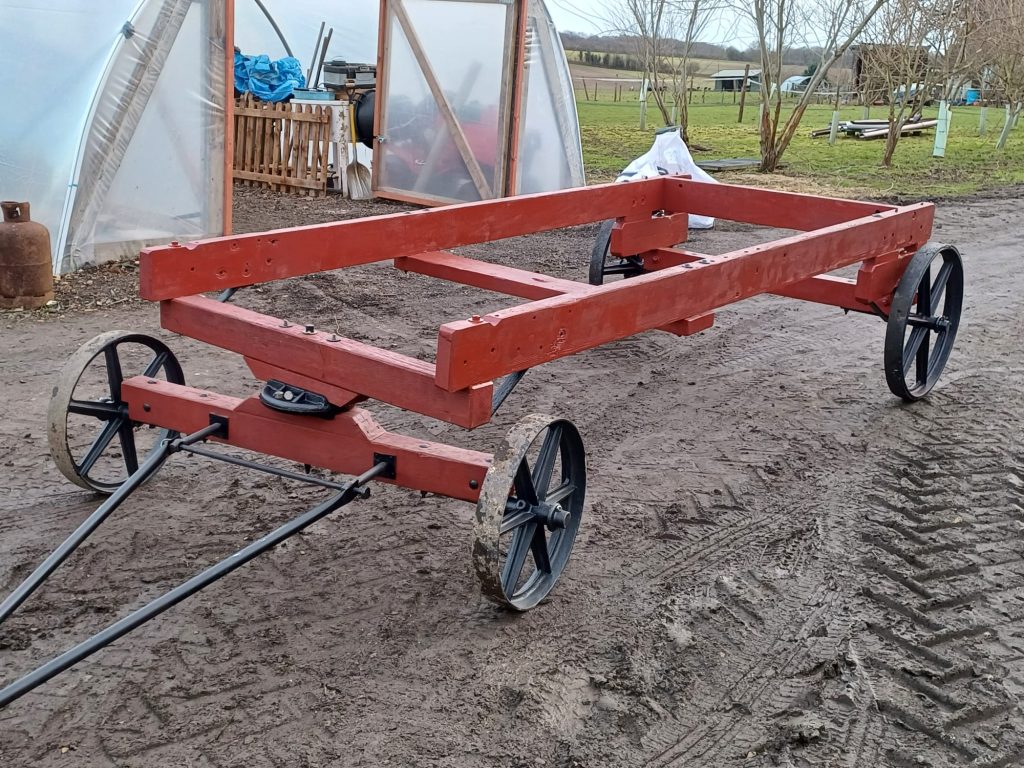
x: 769, y: 152
x: 684, y: 121
x: 659, y: 99
x: 890, y: 146
x: 893, y: 136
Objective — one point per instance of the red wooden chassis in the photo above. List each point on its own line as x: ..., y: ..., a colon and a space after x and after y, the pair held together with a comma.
x: 678, y: 294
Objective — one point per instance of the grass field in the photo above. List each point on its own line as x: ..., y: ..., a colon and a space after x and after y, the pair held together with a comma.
x: 612, y: 137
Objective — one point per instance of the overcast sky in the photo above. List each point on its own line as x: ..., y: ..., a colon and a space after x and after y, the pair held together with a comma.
x: 589, y: 16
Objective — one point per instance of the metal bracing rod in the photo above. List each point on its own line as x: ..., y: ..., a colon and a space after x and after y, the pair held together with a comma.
x: 120, y: 628
x: 277, y: 29
x: 228, y: 459
x: 503, y: 388
x: 93, y: 521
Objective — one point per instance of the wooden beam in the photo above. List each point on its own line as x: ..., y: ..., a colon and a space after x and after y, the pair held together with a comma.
x: 168, y: 272
x: 343, y: 363
x: 519, y: 282
x: 347, y: 443
x: 490, y: 277
x: 785, y: 210
x: 510, y: 340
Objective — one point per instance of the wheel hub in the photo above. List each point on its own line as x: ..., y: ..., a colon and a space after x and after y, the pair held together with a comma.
x: 553, y: 516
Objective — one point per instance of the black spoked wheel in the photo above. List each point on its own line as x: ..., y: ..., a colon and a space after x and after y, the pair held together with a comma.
x: 923, y: 321
x: 86, y: 412
x: 604, y: 265
x: 529, y: 511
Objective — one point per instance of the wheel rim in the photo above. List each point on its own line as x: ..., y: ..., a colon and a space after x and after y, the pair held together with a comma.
x: 529, y: 512
x: 92, y: 440
x: 923, y: 321
x: 603, y: 264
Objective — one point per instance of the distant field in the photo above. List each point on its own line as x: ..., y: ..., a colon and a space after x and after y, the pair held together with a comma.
x: 612, y: 138
x: 708, y: 67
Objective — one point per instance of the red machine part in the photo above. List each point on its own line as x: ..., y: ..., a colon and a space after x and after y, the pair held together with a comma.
x: 345, y: 444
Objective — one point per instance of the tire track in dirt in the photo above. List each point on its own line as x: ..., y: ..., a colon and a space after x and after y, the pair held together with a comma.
x: 939, y: 574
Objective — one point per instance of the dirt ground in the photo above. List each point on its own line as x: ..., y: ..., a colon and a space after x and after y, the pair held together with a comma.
x: 780, y: 564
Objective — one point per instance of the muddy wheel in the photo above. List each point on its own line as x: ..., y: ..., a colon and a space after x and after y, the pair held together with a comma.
x: 923, y: 321
x: 529, y: 511
x: 86, y: 412
x: 603, y: 264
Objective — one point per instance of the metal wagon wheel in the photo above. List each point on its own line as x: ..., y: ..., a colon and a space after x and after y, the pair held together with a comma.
x: 86, y: 412
x: 603, y: 264
x: 930, y: 310
x: 529, y: 511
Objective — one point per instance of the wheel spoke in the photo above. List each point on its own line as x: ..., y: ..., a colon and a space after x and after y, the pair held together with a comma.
x: 922, y: 360
x: 126, y: 434
x: 99, y: 445
x: 917, y: 336
x: 155, y: 365
x: 525, y: 489
x: 924, y: 294
x: 516, y: 559
x: 114, y: 375
x: 559, y: 494
x: 539, y: 547
x: 939, y: 286
x: 546, y: 461
x: 516, y: 519
x: 98, y: 410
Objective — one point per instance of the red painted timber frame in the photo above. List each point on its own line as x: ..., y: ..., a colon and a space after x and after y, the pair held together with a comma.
x: 345, y: 444
x: 678, y: 293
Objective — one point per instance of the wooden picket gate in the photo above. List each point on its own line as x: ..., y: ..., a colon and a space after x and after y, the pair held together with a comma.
x: 281, y: 146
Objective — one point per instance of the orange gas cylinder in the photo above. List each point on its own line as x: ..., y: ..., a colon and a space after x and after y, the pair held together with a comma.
x: 26, y: 278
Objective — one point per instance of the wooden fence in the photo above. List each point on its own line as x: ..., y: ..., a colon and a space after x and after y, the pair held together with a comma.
x: 281, y: 146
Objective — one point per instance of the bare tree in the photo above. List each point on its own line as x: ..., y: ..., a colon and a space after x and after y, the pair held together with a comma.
x: 1002, y: 23
x: 663, y: 33
x: 898, y: 62
x: 779, y: 24
x: 924, y: 49
x: 955, y: 42
x: 692, y: 19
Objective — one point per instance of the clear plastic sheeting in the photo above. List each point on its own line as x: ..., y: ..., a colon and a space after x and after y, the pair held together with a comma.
x: 119, y: 141
x: 550, y: 150
x: 445, y: 107
x: 153, y: 167
x: 53, y: 54
x: 447, y: 121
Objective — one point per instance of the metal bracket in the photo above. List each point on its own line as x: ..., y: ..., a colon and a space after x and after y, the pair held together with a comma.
x: 389, y: 472
x: 222, y: 421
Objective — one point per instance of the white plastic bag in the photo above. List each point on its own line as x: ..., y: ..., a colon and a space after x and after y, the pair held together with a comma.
x: 669, y: 157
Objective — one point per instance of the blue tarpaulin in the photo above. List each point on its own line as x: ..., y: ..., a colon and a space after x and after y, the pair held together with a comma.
x: 268, y: 80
